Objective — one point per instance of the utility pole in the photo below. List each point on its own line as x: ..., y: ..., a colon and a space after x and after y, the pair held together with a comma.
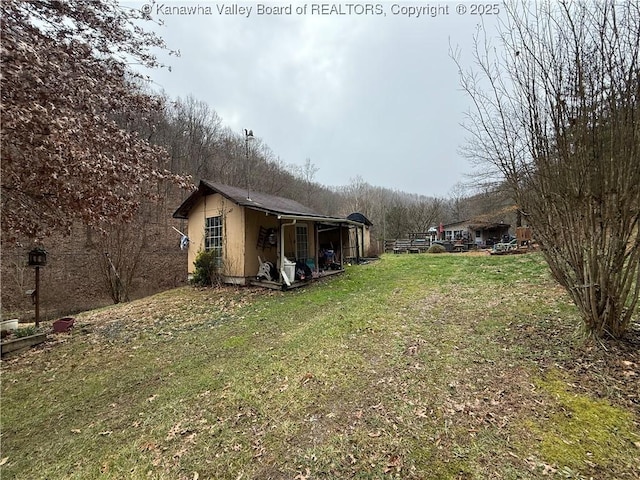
x: 248, y: 135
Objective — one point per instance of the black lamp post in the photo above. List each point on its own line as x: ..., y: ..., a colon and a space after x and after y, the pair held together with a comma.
x: 37, y: 259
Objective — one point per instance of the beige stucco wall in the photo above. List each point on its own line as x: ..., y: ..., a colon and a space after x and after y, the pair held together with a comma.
x: 241, y: 229
x: 255, y: 220
x: 233, y: 228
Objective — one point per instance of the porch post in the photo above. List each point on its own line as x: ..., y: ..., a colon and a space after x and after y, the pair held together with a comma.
x: 316, y: 234
x: 341, y: 249
x: 281, y: 253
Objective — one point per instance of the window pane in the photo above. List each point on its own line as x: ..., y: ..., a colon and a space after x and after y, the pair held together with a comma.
x: 213, y: 237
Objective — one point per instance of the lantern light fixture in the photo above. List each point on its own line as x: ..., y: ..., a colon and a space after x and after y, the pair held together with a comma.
x: 38, y: 257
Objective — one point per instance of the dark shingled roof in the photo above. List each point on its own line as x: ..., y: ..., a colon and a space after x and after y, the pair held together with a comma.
x: 257, y: 201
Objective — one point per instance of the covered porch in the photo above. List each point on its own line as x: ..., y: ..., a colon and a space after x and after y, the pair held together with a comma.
x: 301, y: 249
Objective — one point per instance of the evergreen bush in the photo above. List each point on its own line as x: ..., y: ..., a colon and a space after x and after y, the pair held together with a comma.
x: 436, y: 248
x: 206, y: 270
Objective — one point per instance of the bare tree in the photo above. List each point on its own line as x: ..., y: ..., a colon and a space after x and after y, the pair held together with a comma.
x: 424, y: 213
x: 276, y: 177
x: 396, y: 218
x: 457, y: 202
x: 120, y: 248
x: 557, y: 117
x: 357, y: 195
x: 198, y: 128
x: 307, y: 173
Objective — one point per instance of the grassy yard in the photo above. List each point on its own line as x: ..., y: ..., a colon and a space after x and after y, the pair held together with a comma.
x: 413, y: 367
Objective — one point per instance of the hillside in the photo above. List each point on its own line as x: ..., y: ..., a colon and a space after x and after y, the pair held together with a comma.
x: 415, y: 366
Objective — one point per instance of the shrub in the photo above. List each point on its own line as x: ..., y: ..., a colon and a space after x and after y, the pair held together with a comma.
x: 25, y: 332
x: 436, y: 248
x: 207, y: 269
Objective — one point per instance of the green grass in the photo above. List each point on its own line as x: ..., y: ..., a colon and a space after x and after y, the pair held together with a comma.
x: 416, y: 366
x: 582, y: 429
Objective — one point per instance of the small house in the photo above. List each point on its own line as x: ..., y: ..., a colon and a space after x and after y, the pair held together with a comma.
x: 263, y: 239
x: 475, y: 232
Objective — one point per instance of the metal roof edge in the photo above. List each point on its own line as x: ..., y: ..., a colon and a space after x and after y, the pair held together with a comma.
x: 319, y: 218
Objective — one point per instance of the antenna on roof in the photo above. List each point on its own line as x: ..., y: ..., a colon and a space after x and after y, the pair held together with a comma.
x: 248, y: 135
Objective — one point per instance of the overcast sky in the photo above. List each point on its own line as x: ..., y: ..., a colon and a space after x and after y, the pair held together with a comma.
x: 361, y: 89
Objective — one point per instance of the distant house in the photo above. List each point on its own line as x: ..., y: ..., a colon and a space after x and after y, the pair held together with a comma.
x: 475, y: 232
x: 250, y: 229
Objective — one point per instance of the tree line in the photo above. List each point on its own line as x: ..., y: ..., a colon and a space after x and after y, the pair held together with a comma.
x: 201, y: 146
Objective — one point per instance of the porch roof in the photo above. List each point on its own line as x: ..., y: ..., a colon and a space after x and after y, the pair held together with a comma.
x: 476, y: 225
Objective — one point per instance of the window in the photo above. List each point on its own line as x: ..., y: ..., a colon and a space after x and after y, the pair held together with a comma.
x: 302, y: 243
x: 213, y: 237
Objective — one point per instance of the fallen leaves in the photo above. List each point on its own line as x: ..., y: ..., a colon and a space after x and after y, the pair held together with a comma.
x: 301, y: 476
x: 394, y: 464
x: 421, y: 412
x: 178, y: 430
x: 149, y: 447
x: 306, y: 378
